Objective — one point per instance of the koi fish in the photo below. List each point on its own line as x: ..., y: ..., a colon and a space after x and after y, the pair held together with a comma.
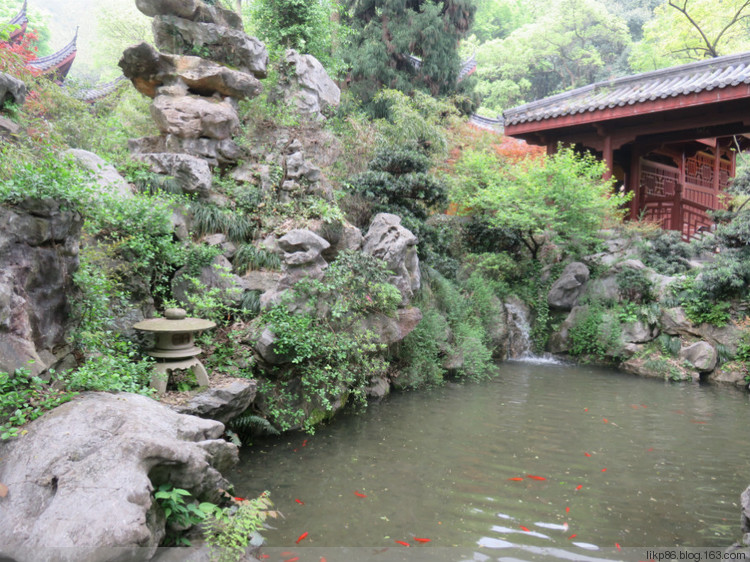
x: 644, y: 406
x: 516, y: 479
x: 567, y: 510
x: 585, y: 409
x: 304, y: 443
x: 650, y: 450
x: 604, y: 470
x: 634, y: 406
x: 586, y: 454
x: 698, y: 422
x: 533, y: 477
x: 239, y: 499
x: 618, y: 546
x: 299, y: 501
x: 579, y: 486
x: 264, y: 556
x: 605, y: 420
x: 295, y: 559
x: 360, y: 494
x: 294, y: 451
x: 323, y: 559
x: 571, y: 537
x: 301, y: 537
x: 404, y: 543
x: 421, y: 540
x: 525, y: 529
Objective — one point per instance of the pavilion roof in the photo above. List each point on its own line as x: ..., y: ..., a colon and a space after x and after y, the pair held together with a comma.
x: 53, y: 61
x: 20, y: 18
x: 721, y: 72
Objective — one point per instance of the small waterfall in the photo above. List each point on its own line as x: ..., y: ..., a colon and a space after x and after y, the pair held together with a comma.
x: 519, y: 337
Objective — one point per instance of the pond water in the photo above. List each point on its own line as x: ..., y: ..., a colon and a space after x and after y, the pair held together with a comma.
x: 542, y: 458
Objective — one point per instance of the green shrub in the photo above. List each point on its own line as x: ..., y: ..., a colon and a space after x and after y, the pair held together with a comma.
x: 667, y: 253
x: 634, y: 285
x: 420, y: 353
x: 696, y: 298
x: 592, y: 335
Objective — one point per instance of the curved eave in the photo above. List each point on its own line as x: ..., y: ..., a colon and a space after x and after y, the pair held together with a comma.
x: 561, y: 119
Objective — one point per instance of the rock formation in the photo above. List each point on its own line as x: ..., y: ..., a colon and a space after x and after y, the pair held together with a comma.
x: 306, y: 84
x: 80, y: 482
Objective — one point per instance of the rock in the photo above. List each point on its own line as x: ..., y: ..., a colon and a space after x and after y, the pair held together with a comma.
x: 261, y: 280
x: 191, y: 117
x: 266, y: 349
x: 215, y: 276
x: 180, y: 223
x: 565, y: 292
x: 234, y: 48
x: 745, y: 518
x: 9, y: 129
x: 84, y: 474
x: 603, y: 289
x: 39, y: 254
x: 675, y: 323
x: 12, y: 90
x: 306, y: 84
x: 638, y: 332
x: 347, y: 237
x: 728, y: 336
x: 658, y: 367
x: 379, y: 387
x: 517, y: 341
x: 106, y: 176
x: 701, y: 355
x: 391, y: 330
x: 387, y: 240
x: 559, y: 340
x: 214, y: 152
x: 149, y: 70
x: 180, y: 8
x: 191, y: 173
x: 298, y: 168
x: 629, y: 264
x: 733, y: 373
x: 221, y: 403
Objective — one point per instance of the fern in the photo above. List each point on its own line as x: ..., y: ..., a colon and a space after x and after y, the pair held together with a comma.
x: 250, y: 303
x: 249, y: 258
x: 669, y: 345
x: 249, y: 424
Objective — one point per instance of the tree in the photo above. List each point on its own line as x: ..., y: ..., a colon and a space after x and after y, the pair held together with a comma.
x: 574, y: 43
x: 687, y: 30
x: 388, y: 33
x: 561, y: 199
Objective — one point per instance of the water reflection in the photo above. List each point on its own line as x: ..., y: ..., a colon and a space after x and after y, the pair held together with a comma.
x: 620, y: 460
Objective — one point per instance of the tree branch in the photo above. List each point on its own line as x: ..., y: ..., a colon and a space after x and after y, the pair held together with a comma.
x: 683, y: 10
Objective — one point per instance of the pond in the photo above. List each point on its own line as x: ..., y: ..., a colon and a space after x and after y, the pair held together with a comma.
x: 544, y: 457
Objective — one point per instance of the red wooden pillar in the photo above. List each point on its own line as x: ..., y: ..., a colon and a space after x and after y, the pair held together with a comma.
x: 634, y: 183
x: 676, y: 222
x: 717, y: 175
x: 608, y: 156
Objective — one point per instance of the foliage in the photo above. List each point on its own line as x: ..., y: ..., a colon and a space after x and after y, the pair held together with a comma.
x: 570, y: 44
x: 229, y: 536
x: 682, y: 31
x: 420, y: 353
x: 249, y: 258
x: 667, y: 253
x: 670, y: 345
x: 25, y: 397
x: 695, y: 295
x: 385, y: 34
x: 209, y: 218
x: 634, y: 285
x: 593, y: 335
x: 563, y: 201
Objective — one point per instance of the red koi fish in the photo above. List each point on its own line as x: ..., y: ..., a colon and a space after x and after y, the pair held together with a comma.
x: 421, y: 540
x: 585, y: 409
x: 567, y: 510
x: 525, y: 529
x: 618, y: 546
x: 644, y: 406
x: 264, y: 556
x: 533, y: 477
x: 299, y: 501
x: 516, y: 479
x: 650, y: 450
x: 604, y: 470
x: 239, y: 499
x: 579, y: 486
x: 304, y: 443
x: 323, y: 559
x: 295, y: 559
x: 586, y: 454
x: 301, y: 537
x: 634, y: 406
x: 404, y: 543
x: 698, y: 422
x: 605, y: 420
x: 360, y: 494
x: 571, y: 537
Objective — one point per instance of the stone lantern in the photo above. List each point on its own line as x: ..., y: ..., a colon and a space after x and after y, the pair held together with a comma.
x: 175, y: 348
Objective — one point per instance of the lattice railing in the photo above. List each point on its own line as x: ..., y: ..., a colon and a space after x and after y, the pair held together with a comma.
x: 659, y: 180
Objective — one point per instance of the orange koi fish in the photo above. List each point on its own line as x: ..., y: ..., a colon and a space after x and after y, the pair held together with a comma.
x: 239, y: 499
x: 618, y: 546
x: 323, y: 559
x: 301, y: 537
x: 533, y: 477
x: 360, y: 494
x: 295, y: 559
x: 567, y: 510
x: 650, y: 450
x: 421, y: 540
x: 585, y: 409
x: 516, y: 479
x: 604, y: 470
x: 404, y: 543
x: 586, y: 454
x: 579, y: 486
x: 572, y: 536
x: 525, y: 529
x: 299, y: 501
x: 605, y: 420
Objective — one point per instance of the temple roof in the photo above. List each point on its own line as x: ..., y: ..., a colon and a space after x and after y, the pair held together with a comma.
x: 20, y: 18
x: 703, y: 76
x: 100, y: 91
x: 56, y: 61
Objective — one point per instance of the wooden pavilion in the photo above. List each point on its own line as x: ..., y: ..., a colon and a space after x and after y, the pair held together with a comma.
x: 670, y: 136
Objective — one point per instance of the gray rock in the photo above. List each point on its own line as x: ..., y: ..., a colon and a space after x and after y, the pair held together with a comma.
x: 306, y: 83
x: 745, y: 518
x: 701, y: 355
x: 729, y: 373
x: 559, y: 341
x: 234, y: 48
x: 565, y: 292
x: 265, y: 347
x: 728, y: 336
x: 106, y: 177
x: 658, y: 367
x: 39, y: 255
x: 221, y: 403
x: 603, y: 288
x: 191, y: 117
x: 379, y: 387
x: 638, y: 332
x: 675, y: 323
x: 181, y: 8
x: 84, y: 474
x: 215, y: 276
x: 261, y: 280
x: 301, y: 247
x: 12, y: 90
x: 214, y: 152
x: 191, y: 173
x: 387, y: 240
x: 390, y: 330
x: 297, y: 168
x: 149, y: 70
x: 9, y: 129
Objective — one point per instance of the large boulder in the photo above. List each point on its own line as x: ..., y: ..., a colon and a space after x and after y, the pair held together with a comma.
x: 638, y: 332
x: 700, y: 355
x: 81, y: 481
x: 565, y: 292
x: 307, y: 84
x: 191, y: 173
x: 390, y: 329
x: 150, y: 70
x: 194, y: 10
x: 234, y: 48
x: 221, y: 403
x: 191, y: 117
x: 105, y: 176
x: 387, y: 240
x: 39, y: 254
x: 12, y: 90
x: 214, y: 152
